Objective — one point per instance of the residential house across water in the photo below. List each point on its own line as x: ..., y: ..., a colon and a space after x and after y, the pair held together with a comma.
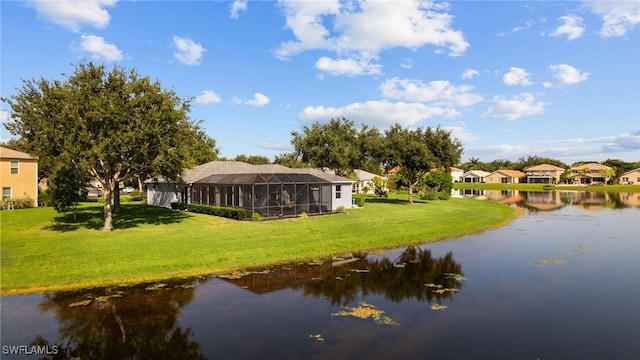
x: 18, y: 175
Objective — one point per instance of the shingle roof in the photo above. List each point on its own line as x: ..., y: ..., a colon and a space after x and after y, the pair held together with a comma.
x: 203, y: 171
x: 13, y: 154
x: 510, y: 173
x: 591, y: 166
x: 544, y: 167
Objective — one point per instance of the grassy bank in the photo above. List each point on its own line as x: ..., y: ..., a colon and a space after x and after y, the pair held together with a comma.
x: 542, y: 187
x: 42, y: 251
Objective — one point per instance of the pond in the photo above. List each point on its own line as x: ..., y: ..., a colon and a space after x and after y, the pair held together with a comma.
x: 562, y: 281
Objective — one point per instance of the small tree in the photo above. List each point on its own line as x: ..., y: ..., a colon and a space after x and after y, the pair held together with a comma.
x: 65, y: 189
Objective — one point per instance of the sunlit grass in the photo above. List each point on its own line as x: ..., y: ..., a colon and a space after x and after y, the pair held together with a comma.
x: 44, y: 251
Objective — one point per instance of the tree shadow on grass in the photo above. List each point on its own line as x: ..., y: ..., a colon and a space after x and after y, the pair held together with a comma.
x: 416, y: 199
x: 130, y: 216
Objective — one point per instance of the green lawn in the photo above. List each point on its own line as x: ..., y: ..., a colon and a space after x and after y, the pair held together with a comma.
x: 42, y: 251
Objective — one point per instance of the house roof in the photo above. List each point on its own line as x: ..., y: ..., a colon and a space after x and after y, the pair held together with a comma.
x: 544, y: 167
x: 509, y: 173
x: 200, y: 172
x: 13, y: 154
x: 632, y: 171
x: 591, y: 166
x: 261, y: 178
x: 475, y: 173
x: 364, y: 175
x: 455, y: 169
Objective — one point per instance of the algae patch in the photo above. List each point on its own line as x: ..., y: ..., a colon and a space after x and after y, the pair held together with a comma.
x: 365, y: 311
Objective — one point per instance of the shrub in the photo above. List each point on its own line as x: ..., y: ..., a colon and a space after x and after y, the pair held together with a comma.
x: 256, y: 216
x: 430, y: 195
x: 304, y: 215
x: 178, y: 206
x: 340, y: 209
x: 443, y: 195
x: 18, y: 203
x: 226, y: 212
x: 359, y: 200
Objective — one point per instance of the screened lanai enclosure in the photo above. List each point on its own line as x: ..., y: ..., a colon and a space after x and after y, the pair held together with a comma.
x: 270, y: 195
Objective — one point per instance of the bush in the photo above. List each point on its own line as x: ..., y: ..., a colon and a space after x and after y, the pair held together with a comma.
x: 359, y: 200
x: 430, y: 195
x: 226, y: 212
x: 256, y: 216
x: 18, y: 203
x: 340, y: 209
x: 178, y: 206
x: 444, y: 195
x: 304, y: 215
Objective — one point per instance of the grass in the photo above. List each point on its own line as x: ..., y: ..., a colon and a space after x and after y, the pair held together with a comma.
x: 543, y: 187
x: 44, y: 251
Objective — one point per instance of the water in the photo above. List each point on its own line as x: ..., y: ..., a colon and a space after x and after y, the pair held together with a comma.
x: 562, y: 281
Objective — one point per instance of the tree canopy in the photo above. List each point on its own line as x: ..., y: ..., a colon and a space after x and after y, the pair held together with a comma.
x: 114, y: 125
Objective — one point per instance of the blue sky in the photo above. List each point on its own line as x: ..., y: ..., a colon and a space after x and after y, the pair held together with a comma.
x: 508, y: 78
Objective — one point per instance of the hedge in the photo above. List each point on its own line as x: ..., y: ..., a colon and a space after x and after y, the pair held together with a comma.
x: 227, y: 212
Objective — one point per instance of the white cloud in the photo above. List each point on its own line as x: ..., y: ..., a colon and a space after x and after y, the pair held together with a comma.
x: 73, y: 14
x: 282, y: 146
x: 348, y: 67
x: 469, y: 73
x: 259, y: 100
x: 187, y: 51
x: 528, y: 25
x: 208, y: 97
x: 406, y: 64
x: 618, y: 17
x: 518, y: 106
x: 567, y: 74
x: 572, y: 27
x: 99, y: 49
x: 439, y: 92
x: 361, y: 29
x: 237, y: 7
x: 517, y: 76
x: 5, y: 117
x: 461, y: 133
x: 378, y: 113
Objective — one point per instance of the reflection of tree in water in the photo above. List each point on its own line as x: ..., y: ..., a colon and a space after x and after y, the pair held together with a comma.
x: 125, y: 323
x: 398, y: 280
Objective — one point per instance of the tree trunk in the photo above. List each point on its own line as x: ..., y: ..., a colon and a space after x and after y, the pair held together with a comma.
x: 410, y: 193
x: 139, y: 183
x: 108, y: 214
x: 116, y: 197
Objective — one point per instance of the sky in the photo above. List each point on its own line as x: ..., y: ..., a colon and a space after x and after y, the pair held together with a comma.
x: 509, y: 79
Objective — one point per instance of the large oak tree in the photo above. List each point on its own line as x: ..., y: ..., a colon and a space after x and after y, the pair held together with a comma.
x: 114, y: 125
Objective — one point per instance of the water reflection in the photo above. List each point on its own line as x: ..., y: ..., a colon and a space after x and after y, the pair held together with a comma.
x: 554, y: 200
x: 415, y: 274
x: 142, y: 321
x: 121, y: 323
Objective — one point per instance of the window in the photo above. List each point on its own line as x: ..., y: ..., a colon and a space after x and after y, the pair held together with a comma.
x: 15, y: 167
x: 6, y: 193
x: 338, y: 191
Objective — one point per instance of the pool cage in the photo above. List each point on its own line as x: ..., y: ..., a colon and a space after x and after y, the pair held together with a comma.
x: 270, y: 195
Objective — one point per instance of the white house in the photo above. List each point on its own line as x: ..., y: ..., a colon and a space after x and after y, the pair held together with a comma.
x: 474, y: 176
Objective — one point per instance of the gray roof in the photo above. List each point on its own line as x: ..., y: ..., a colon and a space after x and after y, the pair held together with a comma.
x: 200, y: 172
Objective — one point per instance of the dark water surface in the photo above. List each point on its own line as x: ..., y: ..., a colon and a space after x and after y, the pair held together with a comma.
x: 560, y: 282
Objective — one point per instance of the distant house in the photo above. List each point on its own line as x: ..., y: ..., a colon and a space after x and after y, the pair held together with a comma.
x: 504, y: 177
x: 474, y: 176
x: 589, y: 174
x: 365, y: 182
x: 631, y: 177
x: 18, y: 175
x: 269, y: 190
x: 544, y: 174
x: 456, y: 174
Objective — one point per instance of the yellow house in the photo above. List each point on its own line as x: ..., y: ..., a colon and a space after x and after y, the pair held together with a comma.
x: 504, y: 177
x: 18, y: 175
x: 631, y: 177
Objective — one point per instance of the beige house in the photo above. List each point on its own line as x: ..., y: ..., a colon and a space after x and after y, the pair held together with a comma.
x: 631, y: 177
x: 18, y: 175
x: 365, y: 182
x: 544, y: 174
x: 504, y: 177
x: 590, y: 173
x: 474, y: 176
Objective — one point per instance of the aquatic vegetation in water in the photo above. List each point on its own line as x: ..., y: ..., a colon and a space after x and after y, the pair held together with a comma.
x: 542, y: 262
x: 80, y: 303
x: 155, y: 287
x: 436, y: 307
x: 454, y: 276
x: 316, y: 337
x: 365, y: 311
